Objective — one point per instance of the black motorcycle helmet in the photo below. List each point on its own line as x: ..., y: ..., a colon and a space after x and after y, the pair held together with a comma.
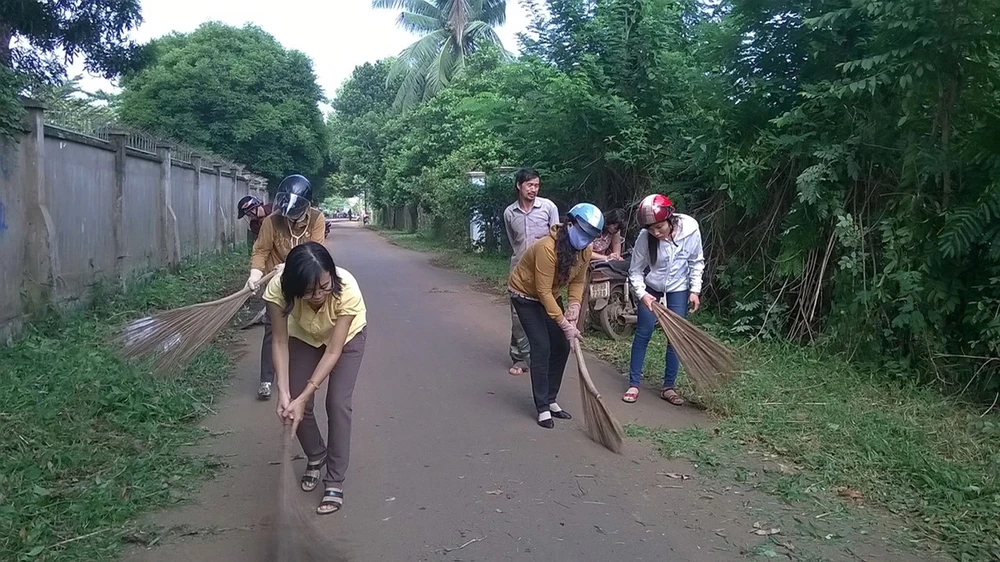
x: 246, y: 205
x: 294, y: 197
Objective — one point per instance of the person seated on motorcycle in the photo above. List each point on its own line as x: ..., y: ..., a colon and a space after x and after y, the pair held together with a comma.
x: 254, y: 211
x: 669, y: 246
x: 608, y: 246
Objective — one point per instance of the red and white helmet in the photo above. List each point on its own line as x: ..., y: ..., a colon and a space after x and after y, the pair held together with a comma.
x: 654, y: 208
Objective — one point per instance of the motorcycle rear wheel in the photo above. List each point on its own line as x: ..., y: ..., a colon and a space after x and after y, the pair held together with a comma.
x: 611, y: 317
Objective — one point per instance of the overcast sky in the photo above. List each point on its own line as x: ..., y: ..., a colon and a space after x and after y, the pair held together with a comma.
x: 337, y: 35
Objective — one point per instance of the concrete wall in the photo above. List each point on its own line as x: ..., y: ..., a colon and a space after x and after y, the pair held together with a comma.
x: 76, y: 210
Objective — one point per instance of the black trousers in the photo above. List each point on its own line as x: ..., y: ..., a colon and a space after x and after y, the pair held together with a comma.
x: 549, y: 351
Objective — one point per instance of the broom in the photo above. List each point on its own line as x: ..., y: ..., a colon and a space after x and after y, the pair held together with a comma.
x: 174, y: 336
x: 709, y: 363
x: 602, y: 426
x: 297, y: 537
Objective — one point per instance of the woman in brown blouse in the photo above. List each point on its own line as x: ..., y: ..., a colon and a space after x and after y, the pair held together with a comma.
x: 293, y: 222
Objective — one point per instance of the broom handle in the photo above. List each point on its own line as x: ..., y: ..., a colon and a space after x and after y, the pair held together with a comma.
x: 242, y: 293
x: 584, y: 373
x: 661, y: 308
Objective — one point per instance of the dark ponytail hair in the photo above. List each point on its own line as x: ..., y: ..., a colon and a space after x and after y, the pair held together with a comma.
x: 566, y: 254
x: 303, y: 268
x: 654, y: 242
x: 653, y: 247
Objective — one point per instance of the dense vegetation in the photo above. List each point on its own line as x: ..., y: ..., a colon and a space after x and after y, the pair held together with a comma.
x: 841, y: 155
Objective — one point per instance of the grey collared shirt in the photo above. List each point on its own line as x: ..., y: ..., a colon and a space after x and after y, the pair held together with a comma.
x: 524, y: 228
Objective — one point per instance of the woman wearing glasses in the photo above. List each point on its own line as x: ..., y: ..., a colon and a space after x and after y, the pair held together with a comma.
x: 319, y: 333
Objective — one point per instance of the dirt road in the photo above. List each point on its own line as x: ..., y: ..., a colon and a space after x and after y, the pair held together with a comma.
x: 447, y: 461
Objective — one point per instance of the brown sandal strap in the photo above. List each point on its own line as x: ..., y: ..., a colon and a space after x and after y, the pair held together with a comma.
x: 674, y: 398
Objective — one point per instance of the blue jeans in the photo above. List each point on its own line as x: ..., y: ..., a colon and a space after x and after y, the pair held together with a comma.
x: 677, y: 302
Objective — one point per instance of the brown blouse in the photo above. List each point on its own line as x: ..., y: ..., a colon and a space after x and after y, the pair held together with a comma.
x: 276, y: 240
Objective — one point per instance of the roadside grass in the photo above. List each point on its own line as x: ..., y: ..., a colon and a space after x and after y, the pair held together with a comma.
x: 90, y: 442
x: 829, y: 428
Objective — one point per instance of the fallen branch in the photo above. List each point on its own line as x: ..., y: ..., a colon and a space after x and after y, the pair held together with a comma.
x: 81, y: 537
x: 990, y: 409
x: 447, y: 550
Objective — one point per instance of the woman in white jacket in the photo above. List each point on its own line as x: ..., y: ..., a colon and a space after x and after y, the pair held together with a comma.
x: 667, y: 264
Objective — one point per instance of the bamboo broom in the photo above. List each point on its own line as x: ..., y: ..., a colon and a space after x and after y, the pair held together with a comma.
x: 709, y: 363
x: 297, y: 536
x: 171, y: 338
x: 602, y: 427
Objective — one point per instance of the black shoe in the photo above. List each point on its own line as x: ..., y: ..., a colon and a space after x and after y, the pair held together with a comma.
x: 547, y: 424
x: 562, y: 414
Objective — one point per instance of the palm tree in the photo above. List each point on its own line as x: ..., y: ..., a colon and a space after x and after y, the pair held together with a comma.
x: 452, y: 30
x: 71, y: 106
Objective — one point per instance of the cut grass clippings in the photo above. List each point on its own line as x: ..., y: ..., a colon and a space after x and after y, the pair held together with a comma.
x: 89, y: 442
x: 931, y: 460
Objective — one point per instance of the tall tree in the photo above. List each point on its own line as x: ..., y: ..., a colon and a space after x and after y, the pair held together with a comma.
x: 452, y: 30
x: 236, y: 92
x: 360, y: 111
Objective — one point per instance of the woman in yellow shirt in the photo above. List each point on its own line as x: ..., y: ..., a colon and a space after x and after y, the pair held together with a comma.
x: 553, y: 262
x: 292, y: 222
x: 319, y: 332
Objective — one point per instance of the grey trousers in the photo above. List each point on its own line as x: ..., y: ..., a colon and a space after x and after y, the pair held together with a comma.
x: 302, y: 361
x: 519, y: 348
x: 266, y: 362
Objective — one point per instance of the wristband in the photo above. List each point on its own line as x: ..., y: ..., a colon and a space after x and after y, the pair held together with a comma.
x: 316, y: 386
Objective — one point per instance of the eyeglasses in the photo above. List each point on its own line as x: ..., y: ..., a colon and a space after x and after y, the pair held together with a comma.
x: 320, y: 291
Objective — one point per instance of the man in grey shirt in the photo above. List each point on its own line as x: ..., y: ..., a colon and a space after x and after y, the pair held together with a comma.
x: 526, y: 220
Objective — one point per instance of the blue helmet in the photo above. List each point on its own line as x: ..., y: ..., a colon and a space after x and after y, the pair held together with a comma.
x: 589, y: 218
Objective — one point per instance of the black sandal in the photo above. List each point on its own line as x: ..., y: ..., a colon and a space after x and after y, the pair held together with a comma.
x: 333, y: 500
x: 310, y: 478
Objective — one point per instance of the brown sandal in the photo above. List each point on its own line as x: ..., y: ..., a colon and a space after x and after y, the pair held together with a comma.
x: 670, y: 395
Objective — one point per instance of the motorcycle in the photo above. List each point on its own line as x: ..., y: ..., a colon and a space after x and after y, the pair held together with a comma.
x: 611, y: 302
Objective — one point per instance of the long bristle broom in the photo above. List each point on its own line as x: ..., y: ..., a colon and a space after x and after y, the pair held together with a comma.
x: 709, y: 363
x: 171, y: 338
x: 297, y: 537
x: 602, y: 426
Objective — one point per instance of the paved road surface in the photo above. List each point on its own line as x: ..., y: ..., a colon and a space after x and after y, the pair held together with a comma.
x: 446, y: 449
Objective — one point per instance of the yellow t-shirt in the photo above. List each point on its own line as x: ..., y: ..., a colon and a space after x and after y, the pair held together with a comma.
x: 316, y: 327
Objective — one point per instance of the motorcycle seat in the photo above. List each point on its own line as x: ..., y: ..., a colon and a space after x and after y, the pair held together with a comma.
x: 619, y: 267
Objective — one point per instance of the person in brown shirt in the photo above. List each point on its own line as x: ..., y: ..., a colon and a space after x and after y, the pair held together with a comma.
x: 293, y: 222
x: 553, y: 262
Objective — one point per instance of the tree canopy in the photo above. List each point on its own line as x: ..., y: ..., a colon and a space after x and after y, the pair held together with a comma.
x: 38, y: 38
x: 357, y: 128
x: 236, y: 92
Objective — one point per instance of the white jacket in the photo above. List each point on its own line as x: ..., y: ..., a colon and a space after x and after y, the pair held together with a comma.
x: 679, y: 264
